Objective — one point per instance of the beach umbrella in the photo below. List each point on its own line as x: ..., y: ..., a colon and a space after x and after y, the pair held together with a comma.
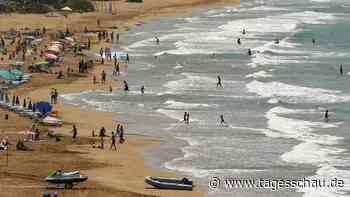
x: 56, y: 42
x: 43, y: 107
x: 50, y: 56
x: 66, y: 9
x: 53, y: 49
x: 60, y: 46
x: 70, y: 39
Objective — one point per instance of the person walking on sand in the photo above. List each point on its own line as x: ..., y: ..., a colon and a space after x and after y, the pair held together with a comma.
x: 94, y: 79
x: 110, y: 89
x: 75, y: 131
x: 103, y: 77
x: 55, y: 96
x: 219, y: 84
x: 341, y: 69
x: 142, y: 90
x: 121, y: 135
x: 113, y: 141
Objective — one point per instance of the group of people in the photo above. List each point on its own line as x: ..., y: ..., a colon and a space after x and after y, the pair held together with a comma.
x: 118, y: 132
x: 113, y: 36
x: 187, y: 118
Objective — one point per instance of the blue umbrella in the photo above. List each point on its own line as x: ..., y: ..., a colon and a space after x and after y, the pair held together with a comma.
x: 43, y: 107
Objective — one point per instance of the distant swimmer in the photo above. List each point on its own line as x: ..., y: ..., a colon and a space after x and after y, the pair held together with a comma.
x: 222, y: 120
x: 277, y: 41
x: 249, y: 52
x: 219, y: 84
x: 326, y: 117
x: 341, y: 69
x: 313, y: 41
x: 142, y: 90
x: 244, y: 31
x: 157, y: 40
x: 239, y: 41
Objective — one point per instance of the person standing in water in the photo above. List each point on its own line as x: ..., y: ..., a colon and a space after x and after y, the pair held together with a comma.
x: 219, y: 84
x: 249, y: 52
x: 188, y: 118
x: 103, y: 77
x: 239, y: 41
x: 326, y: 117
x: 244, y: 31
x: 126, y: 86
x: 157, y: 40
x: 222, y: 120
x: 185, y: 117
x: 313, y: 41
x: 341, y: 69
x: 142, y: 90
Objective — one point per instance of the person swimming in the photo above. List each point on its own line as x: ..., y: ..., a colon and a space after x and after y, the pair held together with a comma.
x: 219, y: 84
x: 277, y: 41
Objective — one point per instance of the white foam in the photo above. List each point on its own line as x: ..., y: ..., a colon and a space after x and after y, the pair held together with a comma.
x: 171, y: 104
x: 311, y: 153
x: 296, y: 94
x: 259, y: 74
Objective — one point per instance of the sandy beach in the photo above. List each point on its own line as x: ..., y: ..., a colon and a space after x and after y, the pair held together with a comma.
x: 111, y: 173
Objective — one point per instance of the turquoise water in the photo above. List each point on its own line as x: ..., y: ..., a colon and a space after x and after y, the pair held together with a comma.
x: 273, y: 101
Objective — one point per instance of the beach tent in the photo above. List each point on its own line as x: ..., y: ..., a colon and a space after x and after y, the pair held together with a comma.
x: 43, y: 107
x: 66, y: 9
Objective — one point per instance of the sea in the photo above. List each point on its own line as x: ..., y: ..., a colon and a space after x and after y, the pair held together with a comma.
x: 273, y: 101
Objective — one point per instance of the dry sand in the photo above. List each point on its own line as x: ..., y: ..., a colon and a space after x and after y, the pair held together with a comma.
x: 111, y: 173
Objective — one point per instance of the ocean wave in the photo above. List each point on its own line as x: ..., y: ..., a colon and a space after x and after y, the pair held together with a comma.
x: 259, y: 74
x: 171, y: 104
x: 296, y: 94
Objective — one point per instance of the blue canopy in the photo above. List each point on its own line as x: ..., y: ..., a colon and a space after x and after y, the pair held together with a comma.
x: 43, y: 107
x: 7, y: 75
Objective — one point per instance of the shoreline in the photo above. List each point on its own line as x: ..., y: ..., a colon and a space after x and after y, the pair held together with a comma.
x: 129, y: 161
